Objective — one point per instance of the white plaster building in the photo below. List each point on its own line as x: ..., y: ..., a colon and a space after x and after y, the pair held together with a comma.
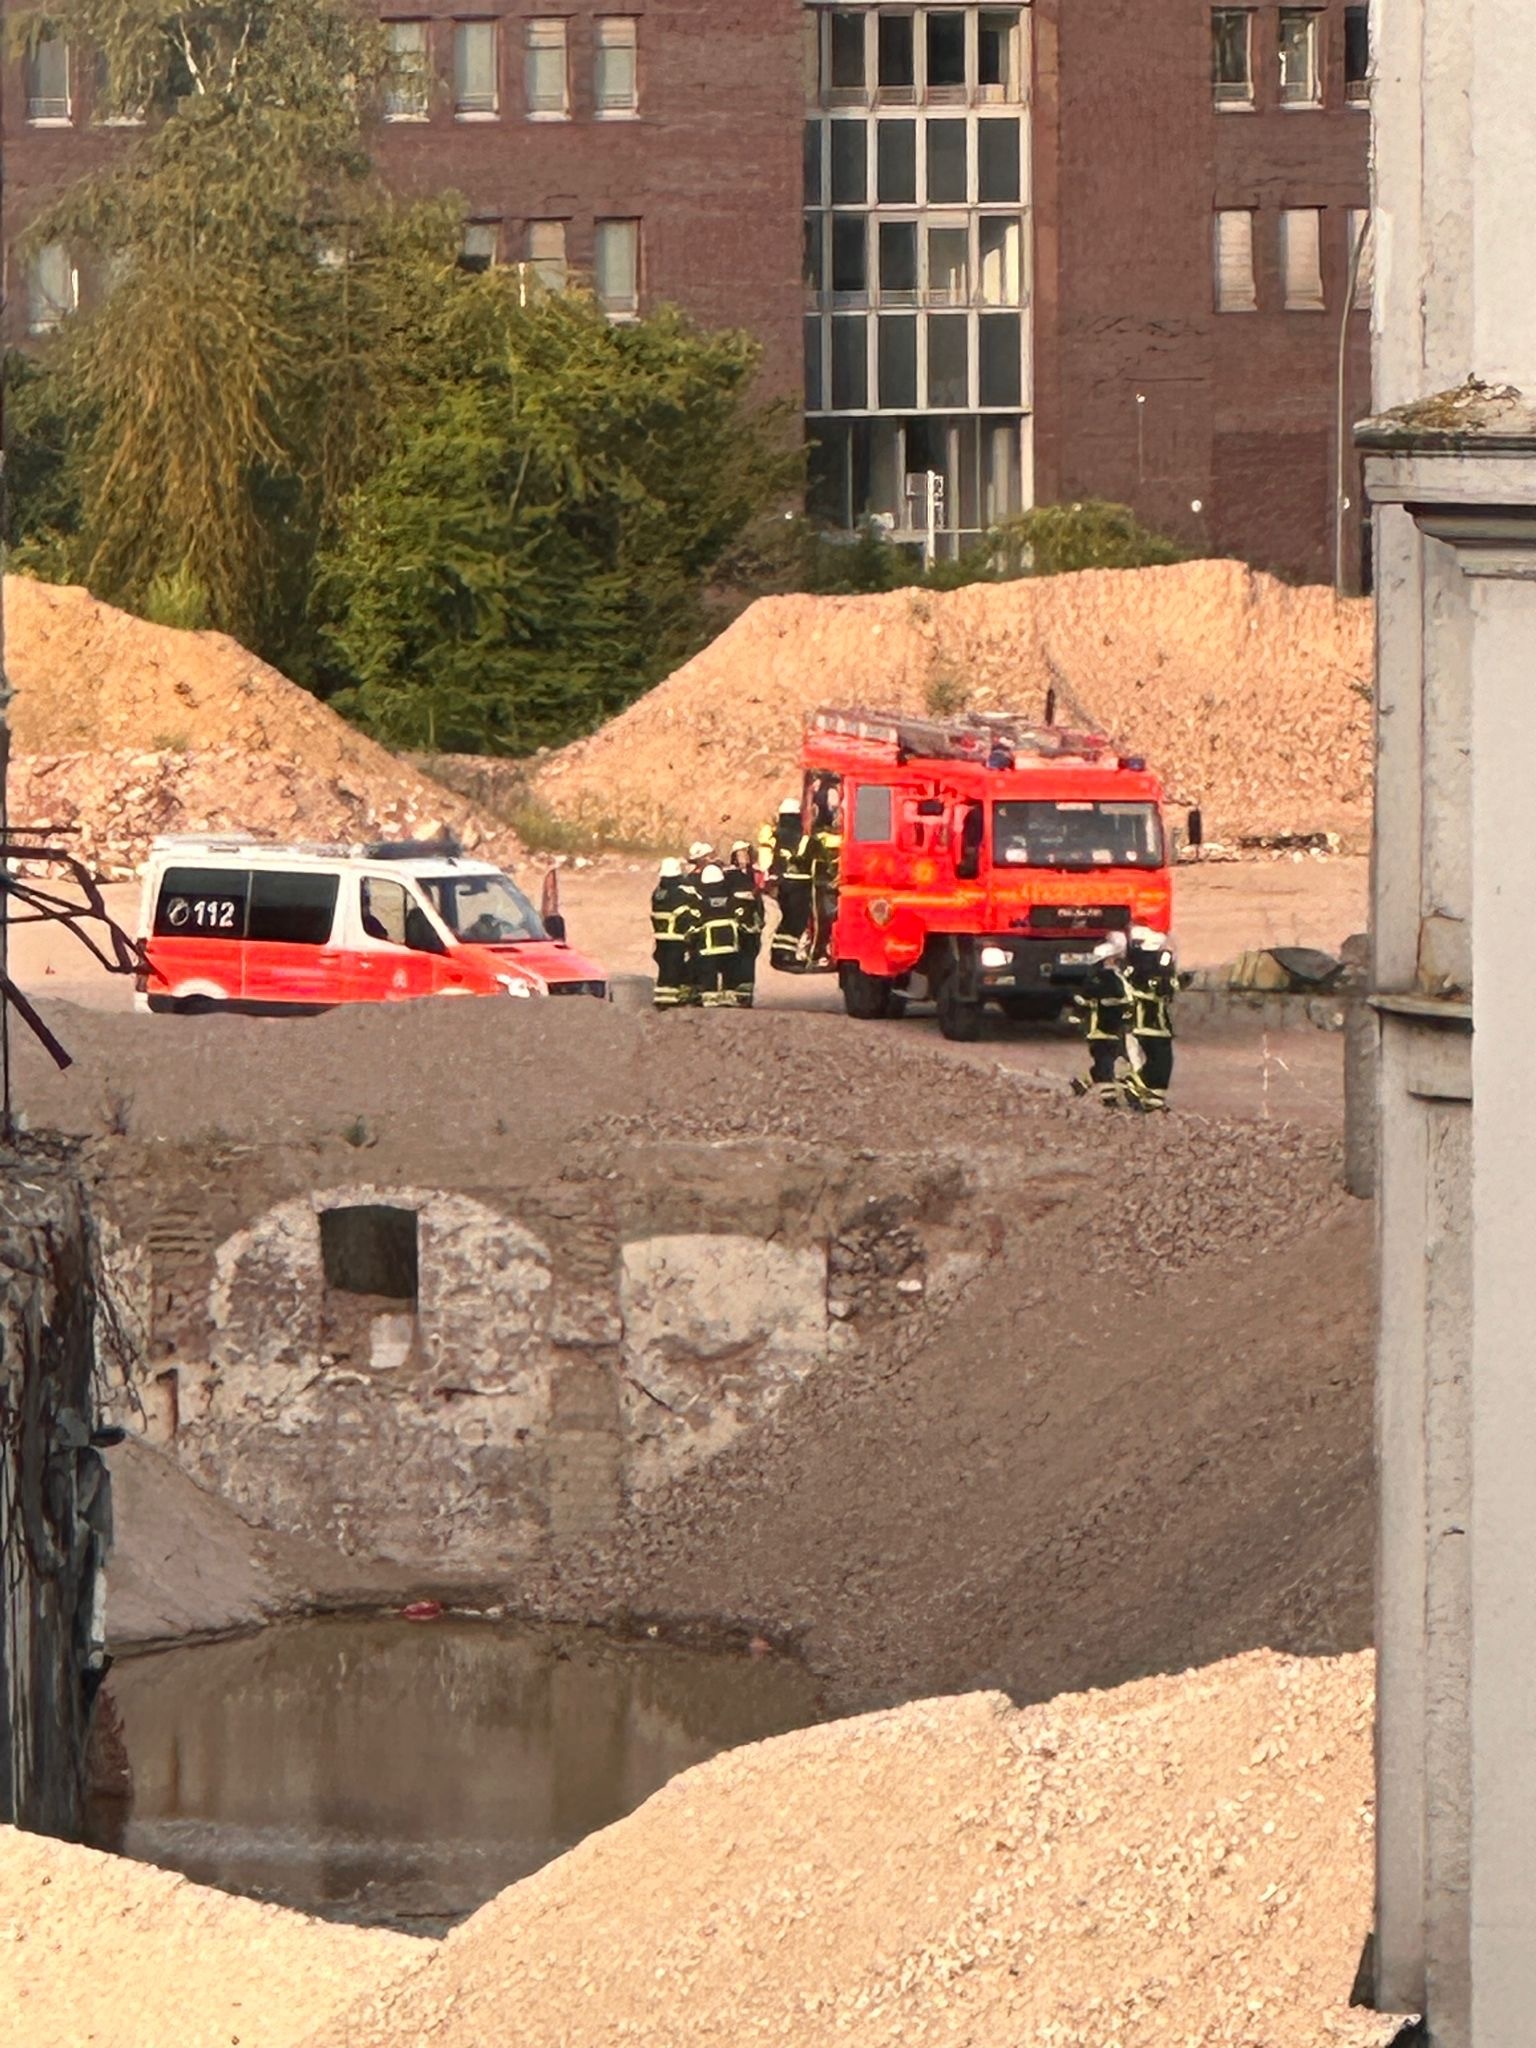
x: 1451, y: 470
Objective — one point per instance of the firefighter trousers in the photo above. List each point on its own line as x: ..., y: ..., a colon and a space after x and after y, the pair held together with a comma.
x: 746, y: 969
x: 1148, y: 1087
x: 719, y: 980
x: 786, y: 950
x: 674, y: 983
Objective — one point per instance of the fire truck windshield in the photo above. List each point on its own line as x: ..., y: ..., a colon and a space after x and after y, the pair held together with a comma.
x: 1076, y: 835
x: 487, y: 910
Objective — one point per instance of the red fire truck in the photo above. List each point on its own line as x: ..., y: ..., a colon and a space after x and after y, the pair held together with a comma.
x: 982, y: 858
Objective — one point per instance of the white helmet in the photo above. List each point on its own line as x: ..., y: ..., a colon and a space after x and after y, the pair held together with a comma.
x: 700, y: 850
x: 741, y: 846
x: 671, y: 869
x: 712, y: 874
x: 790, y: 807
x: 1114, y: 947
x: 1146, y: 940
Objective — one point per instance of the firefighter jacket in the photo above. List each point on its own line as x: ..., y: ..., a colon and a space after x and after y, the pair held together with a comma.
x: 675, y: 908
x: 794, y: 863
x: 1102, y: 1006
x: 743, y: 885
x: 719, y: 927
x: 1150, y: 981
x: 826, y: 857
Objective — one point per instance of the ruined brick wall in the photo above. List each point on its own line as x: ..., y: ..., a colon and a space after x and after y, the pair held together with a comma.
x: 487, y: 1374
x: 55, y: 1520
x: 1133, y: 161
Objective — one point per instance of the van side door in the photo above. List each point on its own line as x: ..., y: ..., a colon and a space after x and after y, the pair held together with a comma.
x: 395, y: 950
x: 292, y: 960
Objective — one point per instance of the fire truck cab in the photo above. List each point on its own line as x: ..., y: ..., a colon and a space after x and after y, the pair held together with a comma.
x: 984, y: 856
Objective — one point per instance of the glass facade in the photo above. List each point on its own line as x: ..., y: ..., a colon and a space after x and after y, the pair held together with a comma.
x: 917, y: 332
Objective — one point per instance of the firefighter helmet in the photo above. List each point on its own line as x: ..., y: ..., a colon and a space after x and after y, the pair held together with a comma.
x: 700, y: 850
x: 712, y: 874
x: 671, y: 869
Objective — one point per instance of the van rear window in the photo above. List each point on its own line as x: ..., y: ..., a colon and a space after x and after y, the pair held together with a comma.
x: 262, y: 905
x: 291, y: 910
x: 195, y: 902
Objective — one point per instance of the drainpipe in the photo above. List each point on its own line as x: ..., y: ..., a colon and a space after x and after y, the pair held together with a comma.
x: 1341, y: 476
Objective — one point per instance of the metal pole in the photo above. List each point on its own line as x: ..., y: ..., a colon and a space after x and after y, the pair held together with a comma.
x: 7, y: 1120
x: 1341, y: 424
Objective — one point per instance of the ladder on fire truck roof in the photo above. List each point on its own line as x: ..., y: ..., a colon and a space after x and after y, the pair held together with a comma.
x: 970, y: 736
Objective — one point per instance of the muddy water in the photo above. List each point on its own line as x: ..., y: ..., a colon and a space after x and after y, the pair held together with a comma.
x: 384, y: 1771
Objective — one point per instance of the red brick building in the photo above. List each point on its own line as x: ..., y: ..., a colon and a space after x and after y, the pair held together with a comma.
x: 1079, y: 247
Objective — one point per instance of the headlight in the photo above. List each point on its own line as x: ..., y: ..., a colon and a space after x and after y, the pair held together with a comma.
x: 514, y: 987
x: 996, y: 956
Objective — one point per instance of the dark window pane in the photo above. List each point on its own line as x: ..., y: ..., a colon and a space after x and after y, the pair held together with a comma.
x: 848, y: 154
x: 811, y: 261
x: 813, y: 163
x: 850, y: 271
x: 292, y: 909
x: 898, y: 256
x: 847, y: 50
x: 897, y: 344
x: 948, y: 384
x: 946, y: 163
x: 195, y: 902
x: 997, y: 37
x: 997, y: 166
x: 1232, y: 55
x: 370, y: 1250
x: 998, y: 368
x: 814, y: 399
x: 850, y: 365
x: 896, y: 50
x: 896, y: 161
x: 946, y: 50
x: 1357, y: 52
x: 872, y: 814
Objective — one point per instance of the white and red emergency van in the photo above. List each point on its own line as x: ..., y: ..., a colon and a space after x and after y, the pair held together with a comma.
x: 243, y: 924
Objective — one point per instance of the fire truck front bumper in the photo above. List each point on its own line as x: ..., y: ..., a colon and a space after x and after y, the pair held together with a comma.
x: 1019, y: 966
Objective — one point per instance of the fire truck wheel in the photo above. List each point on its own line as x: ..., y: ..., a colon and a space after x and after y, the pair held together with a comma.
x: 958, y: 1019
x: 867, y: 995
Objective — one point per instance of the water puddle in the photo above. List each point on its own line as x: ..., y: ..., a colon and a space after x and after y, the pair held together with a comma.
x: 386, y: 1772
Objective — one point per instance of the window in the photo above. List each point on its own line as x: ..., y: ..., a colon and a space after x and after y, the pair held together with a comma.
x: 292, y: 909
x: 546, y: 253
x: 1071, y: 834
x: 119, y: 109
x: 370, y: 1249
x: 474, y: 70
x: 999, y: 70
x: 546, y: 81
x: 1235, y: 292
x: 813, y: 163
x: 194, y: 901
x: 1365, y: 275
x: 1357, y: 56
x: 616, y: 266
x: 1301, y: 258
x: 846, y: 55
x: 997, y: 161
x: 1232, y: 56
x: 999, y: 368
x: 616, y: 86
x: 1300, y: 77
x: 897, y: 63
x: 948, y: 265
x: 896, y: 345
x: 1002, y: 270
x: 898, y: 263
x: 405, y: 92
x: 813, y: 255
x: 948, y: 373
x: 850, y: 256
x: 896, y: 163
x: 53, y: 288
x: 850, y: 365
x: 946, y: 56
x: 849, y: 173
x: 813, y: 389
x: 47, y: 70
x: 947, y: 184
x: 872, y: 809
x: 481, y: 245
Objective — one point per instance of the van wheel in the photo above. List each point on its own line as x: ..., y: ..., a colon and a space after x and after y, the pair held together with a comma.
x: 196, y: 1006
x: 866, y: 995
x: 958, y: 1019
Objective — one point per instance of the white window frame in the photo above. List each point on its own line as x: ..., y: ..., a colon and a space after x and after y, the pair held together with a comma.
x: 417, y: 104
x: 625, y: 305
x: 1301, y: 259
x: 1229, y: 99
x: 1232, y: 253
x: 621, y: 33
x: 544, y: 34
x: 50, y: 110
x: 551, y: 269
x: 45, y: 311
x: 463, y: 107
x: 1014, y: 94
x: 1313, y: 18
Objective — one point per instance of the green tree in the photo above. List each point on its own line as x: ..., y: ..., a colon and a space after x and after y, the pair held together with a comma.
x: 535, y: 548
x: 1091, y: 534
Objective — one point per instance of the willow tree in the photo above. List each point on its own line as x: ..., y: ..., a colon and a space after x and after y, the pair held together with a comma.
x: 227, y: 391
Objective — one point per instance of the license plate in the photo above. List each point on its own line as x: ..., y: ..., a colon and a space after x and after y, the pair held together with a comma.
x: 1074, y: 959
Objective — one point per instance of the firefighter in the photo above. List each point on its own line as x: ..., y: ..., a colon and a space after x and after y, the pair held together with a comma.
x: 1102, y: 1007
x: 674, y: 923
x: 700, y: 854
x: 790, y: 876
x: 826, y: 861
x: 717, y: 942
x: 1151, y: 977
x: 744, y: 880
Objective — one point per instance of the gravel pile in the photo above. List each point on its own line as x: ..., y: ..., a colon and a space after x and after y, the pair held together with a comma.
x: 1248, y: 695
x: 1182, y: 1864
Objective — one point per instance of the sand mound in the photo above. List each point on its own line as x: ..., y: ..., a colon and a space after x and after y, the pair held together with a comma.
x: 1184, y: 1862
x: 96, y: 1949
x: 1243, y: 692
x: 122, y: 729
